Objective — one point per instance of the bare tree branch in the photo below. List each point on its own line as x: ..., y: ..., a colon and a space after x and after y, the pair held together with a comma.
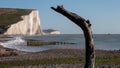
x: 86, y: 27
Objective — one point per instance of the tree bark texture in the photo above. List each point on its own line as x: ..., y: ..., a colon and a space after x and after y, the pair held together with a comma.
x: 86, y: 28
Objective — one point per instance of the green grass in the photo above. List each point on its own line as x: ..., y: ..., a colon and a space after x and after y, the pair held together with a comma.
x: 108, y: 60
x: 57, y: 61
x: 12, y: 17
x: 40, y: 61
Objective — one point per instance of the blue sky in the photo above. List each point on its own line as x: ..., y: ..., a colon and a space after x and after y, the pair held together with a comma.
x: 103, y: 14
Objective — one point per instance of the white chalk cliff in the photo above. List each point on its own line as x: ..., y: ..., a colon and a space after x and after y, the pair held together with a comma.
x: 28, y: 25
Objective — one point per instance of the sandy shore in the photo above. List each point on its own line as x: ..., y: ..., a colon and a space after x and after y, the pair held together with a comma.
x: 14, y: 55
x: 55, y: 53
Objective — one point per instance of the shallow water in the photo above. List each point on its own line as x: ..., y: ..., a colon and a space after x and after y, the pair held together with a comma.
x: 102, y: 41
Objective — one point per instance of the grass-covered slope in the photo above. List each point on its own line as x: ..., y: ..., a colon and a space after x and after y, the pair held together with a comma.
x: 10, y: 16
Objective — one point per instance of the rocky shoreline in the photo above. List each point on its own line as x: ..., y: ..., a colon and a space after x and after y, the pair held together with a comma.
x: 7, y: 55
x: 7, y: 52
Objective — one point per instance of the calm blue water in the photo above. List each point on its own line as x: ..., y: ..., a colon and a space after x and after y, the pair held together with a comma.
x: 102, y: 41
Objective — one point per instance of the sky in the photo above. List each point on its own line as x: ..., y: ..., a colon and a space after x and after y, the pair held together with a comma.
x: 104, y: 15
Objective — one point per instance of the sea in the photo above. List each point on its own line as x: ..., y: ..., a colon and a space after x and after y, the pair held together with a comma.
x: 101, y: 42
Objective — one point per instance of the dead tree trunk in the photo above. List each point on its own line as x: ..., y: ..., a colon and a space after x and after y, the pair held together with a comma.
x: 86, y: 27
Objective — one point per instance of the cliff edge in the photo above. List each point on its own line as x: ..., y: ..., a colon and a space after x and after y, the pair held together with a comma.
x: 19, y: 21
x: 50, y: 31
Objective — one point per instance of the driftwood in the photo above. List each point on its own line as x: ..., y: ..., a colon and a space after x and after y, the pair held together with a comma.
x: 86, y: 28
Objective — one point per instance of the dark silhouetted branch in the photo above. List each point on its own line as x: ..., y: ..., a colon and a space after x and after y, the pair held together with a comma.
x: 86, y: 27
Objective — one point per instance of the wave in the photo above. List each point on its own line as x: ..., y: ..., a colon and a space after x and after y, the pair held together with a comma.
x: 20, y: 44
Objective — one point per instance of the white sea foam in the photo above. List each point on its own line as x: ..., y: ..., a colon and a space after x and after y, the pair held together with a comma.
x: 14, y: 43
x: 106, y: 42
x: 20, y: 44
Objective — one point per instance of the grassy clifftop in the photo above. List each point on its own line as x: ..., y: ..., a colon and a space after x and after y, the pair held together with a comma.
x: 10, y: 16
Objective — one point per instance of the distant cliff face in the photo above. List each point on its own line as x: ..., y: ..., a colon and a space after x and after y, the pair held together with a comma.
x: 50, y: 31
x: 20, y: 21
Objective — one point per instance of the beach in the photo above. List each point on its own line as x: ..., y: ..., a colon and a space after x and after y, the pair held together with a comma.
x: 18, y: 55
x: 27, y: 58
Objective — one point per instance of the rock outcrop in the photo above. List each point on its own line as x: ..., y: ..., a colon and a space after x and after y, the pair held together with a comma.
x: 19, y: 21
x: 7, y: 52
